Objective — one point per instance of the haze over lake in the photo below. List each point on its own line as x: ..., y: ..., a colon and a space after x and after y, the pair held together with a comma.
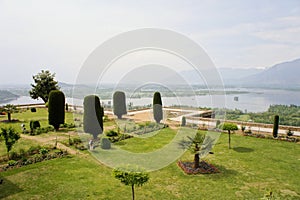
x: 255, y: 100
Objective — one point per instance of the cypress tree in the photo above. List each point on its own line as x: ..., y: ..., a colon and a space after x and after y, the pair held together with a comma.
x: 157, y: 107
x: 119, y: 103
x: 183, y: 121
x: 275, y: 126
x: 93, y: 115
x: 56, y: 108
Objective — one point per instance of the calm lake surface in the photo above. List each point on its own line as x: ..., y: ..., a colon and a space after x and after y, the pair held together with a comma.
x: 256, y: 100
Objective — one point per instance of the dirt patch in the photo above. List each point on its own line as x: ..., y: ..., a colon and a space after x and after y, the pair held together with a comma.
x: 204, y: 168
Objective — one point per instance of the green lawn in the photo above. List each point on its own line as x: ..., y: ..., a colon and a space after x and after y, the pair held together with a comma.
x: 251, y: 169
x: 25, y: 116
x: 248, y: 171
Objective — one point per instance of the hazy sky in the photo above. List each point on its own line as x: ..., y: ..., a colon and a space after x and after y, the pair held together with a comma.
x: 59, y: 35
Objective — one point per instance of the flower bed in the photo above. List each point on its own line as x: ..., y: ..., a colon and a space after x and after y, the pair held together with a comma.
x: 204, y: 167
x: 43, y: 155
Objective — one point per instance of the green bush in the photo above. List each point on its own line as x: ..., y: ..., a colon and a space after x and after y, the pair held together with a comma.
x: 14, y: 155
x: 183, y: 121
x: 157, y: 107
x: 119, y: 103
x: 93, y: 115
x: 12, y: 163
x: 105, y: 143
x: 34, y: 124
x: 43, y: 151
x: 56, y: 108
x: 111, y: 133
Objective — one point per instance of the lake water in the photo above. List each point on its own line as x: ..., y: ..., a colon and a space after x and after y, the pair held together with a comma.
x: 256, y: 100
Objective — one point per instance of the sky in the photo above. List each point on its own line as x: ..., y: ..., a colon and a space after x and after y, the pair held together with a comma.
x: 60, y: 35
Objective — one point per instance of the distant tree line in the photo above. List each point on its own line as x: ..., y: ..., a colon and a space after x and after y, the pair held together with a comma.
x: 289, y: 115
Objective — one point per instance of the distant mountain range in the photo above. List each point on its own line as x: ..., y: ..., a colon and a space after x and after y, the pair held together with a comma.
x: 6, y: 96
x: 283, y: 75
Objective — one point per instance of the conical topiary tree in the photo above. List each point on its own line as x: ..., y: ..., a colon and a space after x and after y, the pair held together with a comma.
x: 93, y: 115
x: 183, y: 121
x: 119, y: 103
x: 157, y: 107
x: 56, y: 108
x: 275, y: 126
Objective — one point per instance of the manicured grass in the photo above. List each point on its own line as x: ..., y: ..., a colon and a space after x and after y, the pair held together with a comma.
x: 249, y: 170
x: 160, y: 138
x: 25, y: 116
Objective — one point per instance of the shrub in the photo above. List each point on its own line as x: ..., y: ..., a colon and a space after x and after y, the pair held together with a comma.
x: 14, y: 155
x: 34, y: 124
x: 119, y: 103
x: 43, y: 151
x: 289, y: 133
x: 111, y: 133
x: 183, y: 121
x: 12, y: 163
x: 218, y: 123
x: 33, y: 109
x: 93, y: 115
x: 157, y: 107
x: 56, y: 108
x: 105, y: 143
x: 34, y: 150
x: 77, y: 141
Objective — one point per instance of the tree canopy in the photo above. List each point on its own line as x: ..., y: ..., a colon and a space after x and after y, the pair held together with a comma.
x: 228, y: 127
x: 44, y: 83
x: 131, y: 176
x: 9, y: 109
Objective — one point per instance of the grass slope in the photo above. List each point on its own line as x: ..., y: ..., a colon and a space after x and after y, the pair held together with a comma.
x: 251, y: 169
x: 248, y: 171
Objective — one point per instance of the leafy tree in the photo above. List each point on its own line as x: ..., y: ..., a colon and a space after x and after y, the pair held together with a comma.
x: 10, y: 136
x: 275, y: 126
x: 93, y: 115
x: 119, y: 103
x: 56, y: 108
x: 44, y: 84
x: 131, y: 176
x: 228, y: 127
x: 157, y: 107
x: 9, y: 109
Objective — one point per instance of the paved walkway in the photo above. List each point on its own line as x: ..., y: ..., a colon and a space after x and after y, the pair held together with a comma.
x: 190, y: 113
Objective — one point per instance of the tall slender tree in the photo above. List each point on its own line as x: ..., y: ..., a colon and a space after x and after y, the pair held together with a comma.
x: 44, y: 83
x: 56, y: 108
x: 119, y: 103
x: 275, y: 126
x: 157, y: 107
x: 93, y: 115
